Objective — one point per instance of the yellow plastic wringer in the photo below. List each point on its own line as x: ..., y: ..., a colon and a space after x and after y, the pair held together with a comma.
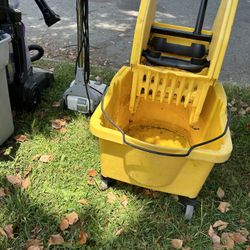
x: 163, y: 123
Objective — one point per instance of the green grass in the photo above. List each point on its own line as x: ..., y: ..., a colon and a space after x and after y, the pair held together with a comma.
x: 149, y: 222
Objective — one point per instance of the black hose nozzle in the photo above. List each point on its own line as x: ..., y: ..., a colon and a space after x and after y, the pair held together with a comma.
x: 50, y: 17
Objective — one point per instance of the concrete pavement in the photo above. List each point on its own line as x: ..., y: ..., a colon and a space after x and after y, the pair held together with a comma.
x: 112, y: 25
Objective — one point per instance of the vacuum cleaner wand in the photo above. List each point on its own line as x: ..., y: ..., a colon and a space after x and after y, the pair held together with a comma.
x: 50, y: 17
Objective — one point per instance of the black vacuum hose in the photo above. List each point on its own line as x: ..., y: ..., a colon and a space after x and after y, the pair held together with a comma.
x: 39, y: 54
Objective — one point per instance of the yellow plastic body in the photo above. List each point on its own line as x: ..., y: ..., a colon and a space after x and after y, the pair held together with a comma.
x: 173, y: 85
x: 181, y: 176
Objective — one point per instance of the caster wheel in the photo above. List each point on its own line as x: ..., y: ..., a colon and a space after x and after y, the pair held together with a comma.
x: 189, y: 212
x: 105, y: 183
x: 189, y: 207
x: 34, y: 99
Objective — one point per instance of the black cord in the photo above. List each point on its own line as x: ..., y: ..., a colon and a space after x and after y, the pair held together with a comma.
x: 85, y: 46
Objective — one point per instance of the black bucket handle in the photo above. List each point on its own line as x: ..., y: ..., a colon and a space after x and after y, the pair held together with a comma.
x: 107, y: 117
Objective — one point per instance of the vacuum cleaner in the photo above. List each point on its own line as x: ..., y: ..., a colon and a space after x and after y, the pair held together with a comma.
x: 83, y: 95
x: 25, y: 82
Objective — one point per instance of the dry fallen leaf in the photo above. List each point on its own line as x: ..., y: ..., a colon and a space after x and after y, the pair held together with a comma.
x: 242, y: 112
x: 244, y: 105
x: 72, y: 218
x: 224, y: 207
x: 119, y: 232
x: 176, y: 243
x: 56, y: 104
x: 83, y: 202
x: 15, y: 180
x: 2, y: 232
x: 248, y: 110
x: 216, y: 239
x: 243, y: 231
x: 111, y: 197
x: 9, y: 231
x: 91, y: 181
x: 27, y: 171
x: 239, y: 238
x: 220, y: 225
x: 64, y: 224
x: 36, y: 157
x: 92, y: 173
x: 227, y: 241
x: 234, y: 109
x: 56, y: 239
x: 124, y: 200
x: 2, y: 192
x: 218, y: 246
x: 33, y: 244
x: 63, y: 130
x: 46, y: 158
x: 21, y: 138
x: 211, y: 231
x: 83, y: 237
x: 220, y: 193
x: 26, y: 183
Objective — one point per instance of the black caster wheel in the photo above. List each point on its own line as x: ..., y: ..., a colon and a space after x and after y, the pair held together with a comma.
x: 34, y: 99
x: 105, y: 183
x: 189, y: 207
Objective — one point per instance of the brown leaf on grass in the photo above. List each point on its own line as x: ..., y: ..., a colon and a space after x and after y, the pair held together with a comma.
x: 56, y: 239
x: 242, y: 112
x: 111, y: 197
x: 218, y: 246
x: 224, y: 207
x: 63, y: 130
x: 72, y: 218
x: 119, y: 232
x: 83, y: 237
x: 91, y: 181
x: 248, y: 110
x: 26, y: 183
x: 176, y: 243
x: 243, y: 231
x: 124, y: 200
x: 27, y: 171
x: 248, y: 248
x: 234, y: 109
x: 83, y: 202
x: 64, y: 224
x: 2, y: 232
x: 220, y: 193
x: 33, y: 244
x: 56, y: 105
x: 9, y: 231
x: 211, y: 231
x: 239, y: 238
x: 21, y: 138
x: 244, y: 105
x: 36, y: 157
x: 92, y: 173
x: 227, y: 241
x: 216, y: 239
x: 56, y: 124
x: 46, y: 158
x: 2, y: 192
x: 15, y: 180
x: 220, y: 225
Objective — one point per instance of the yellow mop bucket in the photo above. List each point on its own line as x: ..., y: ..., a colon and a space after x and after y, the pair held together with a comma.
x: 155, y: 147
